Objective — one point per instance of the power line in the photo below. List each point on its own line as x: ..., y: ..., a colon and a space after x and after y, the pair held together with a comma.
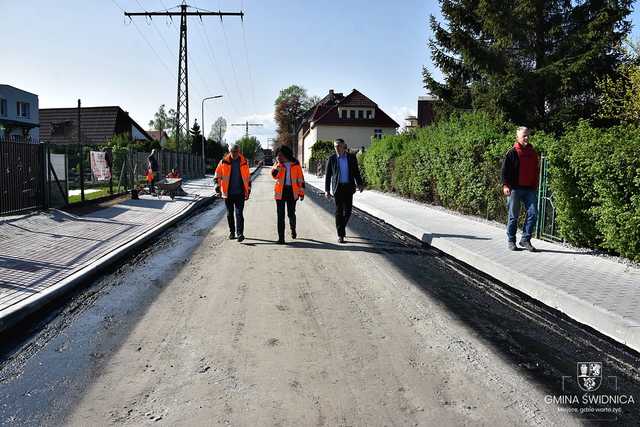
x: 205, y: 86
x: 246, y: 51
x: 233, y: 68
x: 182, y: 100
x: 148, y: 42
x: 214, y: 61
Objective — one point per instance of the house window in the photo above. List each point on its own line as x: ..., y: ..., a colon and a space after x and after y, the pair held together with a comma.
x: 377, y: 133
x: 360, y: 114
x: 369, y: 113
x: 352, y: 114
x: 23, y: 110
x: 343, y: 114
x: 3, y: 107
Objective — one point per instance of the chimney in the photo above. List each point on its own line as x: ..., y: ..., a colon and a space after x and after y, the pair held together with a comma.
x: 331, y: 92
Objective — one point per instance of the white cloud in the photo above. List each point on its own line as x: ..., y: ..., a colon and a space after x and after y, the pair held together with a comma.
x: 399, y: 114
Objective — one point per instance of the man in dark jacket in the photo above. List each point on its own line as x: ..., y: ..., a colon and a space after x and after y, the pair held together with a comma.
x: 342, y: 176
x: 520, y: 171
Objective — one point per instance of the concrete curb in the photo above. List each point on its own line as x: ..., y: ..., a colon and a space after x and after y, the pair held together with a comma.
x: 11, y: 315
x: 610, y: 324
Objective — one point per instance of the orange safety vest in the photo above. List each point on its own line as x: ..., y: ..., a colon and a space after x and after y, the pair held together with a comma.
x: 223, y: 175
x: 278, y: 173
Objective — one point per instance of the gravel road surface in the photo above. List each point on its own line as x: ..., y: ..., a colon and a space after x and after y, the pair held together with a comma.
x: 202, y: 330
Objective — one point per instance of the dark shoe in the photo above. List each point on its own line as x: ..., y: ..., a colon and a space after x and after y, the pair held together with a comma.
x: 340, y: 239
x: 527, y: 245
x: 232, y: 236
x: 240, y: 238
x: 512, y: 246
x: 293, y: 233
x: 281, y: 241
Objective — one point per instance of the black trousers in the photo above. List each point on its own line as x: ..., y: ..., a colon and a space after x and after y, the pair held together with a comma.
x: 235, y: 204
x: 344, y: 204
x: 290, y: 203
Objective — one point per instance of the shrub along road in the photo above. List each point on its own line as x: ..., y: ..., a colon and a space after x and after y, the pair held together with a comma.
x: 203, y: 330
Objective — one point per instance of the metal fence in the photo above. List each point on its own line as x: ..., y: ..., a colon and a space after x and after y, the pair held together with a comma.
x: 128, y: 169
x: 22, y: 182
x: 19, y: 138
x: 546, y: 227
x: 37, y: 176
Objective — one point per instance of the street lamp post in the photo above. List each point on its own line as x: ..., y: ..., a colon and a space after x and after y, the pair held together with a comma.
x: 204, y: 138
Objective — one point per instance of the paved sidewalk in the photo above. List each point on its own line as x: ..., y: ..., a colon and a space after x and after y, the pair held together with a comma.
x: 595, y: 291
x: 43, y: 254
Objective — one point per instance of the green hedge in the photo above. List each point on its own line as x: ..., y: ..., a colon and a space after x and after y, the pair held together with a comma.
x: 379, y: 160
x: 594, y: 175
x: 596, y: 185
x: 321, y: 150
x: 454, y: 163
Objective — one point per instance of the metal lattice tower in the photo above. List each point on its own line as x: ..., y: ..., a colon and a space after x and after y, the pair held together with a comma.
x: 182, y: 104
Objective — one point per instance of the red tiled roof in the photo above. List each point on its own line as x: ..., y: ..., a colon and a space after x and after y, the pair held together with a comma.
x: 357, y: 99
x: 329, y: 115
x: 157, y: 135
x: 324, y: 105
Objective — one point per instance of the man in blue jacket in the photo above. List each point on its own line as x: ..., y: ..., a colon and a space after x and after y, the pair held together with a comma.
x: 342, y: 177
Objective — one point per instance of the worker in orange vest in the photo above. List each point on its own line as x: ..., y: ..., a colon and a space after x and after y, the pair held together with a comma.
x: 233, y: 183
x: 289, y: 188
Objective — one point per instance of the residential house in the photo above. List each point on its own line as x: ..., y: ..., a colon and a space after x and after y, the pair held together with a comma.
x: 411, y: 122
x: 19, y: 118
x: 160, y: 136
x: 98, y: 125
x: 425, y: 110
x: 354, y: 118
x: 425, y: 113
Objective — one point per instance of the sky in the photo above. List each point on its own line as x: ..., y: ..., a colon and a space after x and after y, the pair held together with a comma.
x: 70, y: 49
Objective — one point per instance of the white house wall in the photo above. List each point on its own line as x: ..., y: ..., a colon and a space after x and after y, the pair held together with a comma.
x: 309, y: 140
x: 354, y: 136
x: 13, y: 95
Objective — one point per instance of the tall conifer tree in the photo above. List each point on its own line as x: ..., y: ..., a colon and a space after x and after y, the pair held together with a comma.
x: 535, y: 61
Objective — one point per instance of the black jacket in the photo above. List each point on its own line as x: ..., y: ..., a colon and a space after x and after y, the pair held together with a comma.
x: 511, y: 170
x: 332, y: 173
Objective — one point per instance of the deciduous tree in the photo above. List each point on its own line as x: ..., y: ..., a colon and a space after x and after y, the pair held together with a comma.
x: 163, y: 120
x: 620, y: 101
x: 249, y: 146
x: 218, y: 129
x: 290, y: 104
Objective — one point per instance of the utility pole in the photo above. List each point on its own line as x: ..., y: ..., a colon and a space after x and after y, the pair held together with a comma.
x: 81, y: 168
x: 246, y: 127
x: 182, y: 104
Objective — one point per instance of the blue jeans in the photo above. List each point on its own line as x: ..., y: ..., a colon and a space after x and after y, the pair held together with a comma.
x: 530, y: 200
